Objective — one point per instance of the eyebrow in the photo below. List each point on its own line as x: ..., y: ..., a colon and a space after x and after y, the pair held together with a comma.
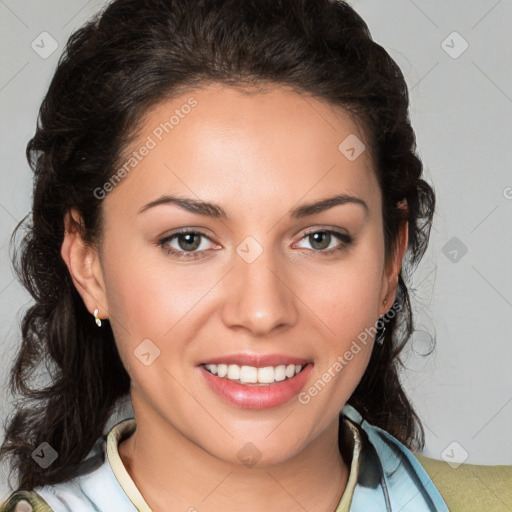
x: 217, y: 212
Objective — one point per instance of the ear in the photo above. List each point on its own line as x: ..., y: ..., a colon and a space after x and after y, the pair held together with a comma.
x: 83, y: 264
x: 394, y: 264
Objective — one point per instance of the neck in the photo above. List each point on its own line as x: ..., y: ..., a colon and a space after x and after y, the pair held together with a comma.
x: 174, y: 473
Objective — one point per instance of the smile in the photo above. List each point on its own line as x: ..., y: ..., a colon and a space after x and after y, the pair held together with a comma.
x: 253, y: 375
x: 256, y: 387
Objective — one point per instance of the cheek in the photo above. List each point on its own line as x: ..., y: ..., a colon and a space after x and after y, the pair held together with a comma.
x: 148, y: 297
x: 346, y: 295
x: 156, y: 301
x: 345, y: 300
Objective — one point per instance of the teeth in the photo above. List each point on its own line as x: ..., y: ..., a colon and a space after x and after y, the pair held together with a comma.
x: 248, y: 374
x: 290, y: 370
x: 266, y: 375
x: 253, y: 375
x: 234, y: 371
x: 280, y: 373
x: 222, y: 370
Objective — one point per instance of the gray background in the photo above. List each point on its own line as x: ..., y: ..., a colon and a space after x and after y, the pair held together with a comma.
x: 461, y: 109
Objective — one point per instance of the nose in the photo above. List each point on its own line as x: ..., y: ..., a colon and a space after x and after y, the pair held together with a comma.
x: 259, y: 295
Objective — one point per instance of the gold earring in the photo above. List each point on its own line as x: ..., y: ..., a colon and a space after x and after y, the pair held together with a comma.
x: 385, y: 301
x: 96, y: 319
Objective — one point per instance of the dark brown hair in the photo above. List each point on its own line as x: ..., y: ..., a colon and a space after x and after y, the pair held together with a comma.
x: 125, y: 60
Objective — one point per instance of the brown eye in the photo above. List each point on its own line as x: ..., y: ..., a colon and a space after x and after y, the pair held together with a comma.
x: 320, y: 240
x: 189, y: 243
x: 185, y: 244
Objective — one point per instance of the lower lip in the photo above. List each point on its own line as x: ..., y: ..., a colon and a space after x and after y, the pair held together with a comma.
x: 257, y: 396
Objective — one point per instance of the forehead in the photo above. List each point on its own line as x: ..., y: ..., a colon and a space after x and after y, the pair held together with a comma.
x: 234, y: 146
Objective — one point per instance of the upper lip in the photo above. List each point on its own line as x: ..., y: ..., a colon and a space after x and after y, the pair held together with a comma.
x: 257, y: 360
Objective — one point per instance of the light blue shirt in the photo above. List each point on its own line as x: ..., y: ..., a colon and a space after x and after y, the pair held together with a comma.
x: 390, y: 477
x: 384, y: 476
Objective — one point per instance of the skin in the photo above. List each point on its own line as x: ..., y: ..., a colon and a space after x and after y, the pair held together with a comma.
x: 257, y: 156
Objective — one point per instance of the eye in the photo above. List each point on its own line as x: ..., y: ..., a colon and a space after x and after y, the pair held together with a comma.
x: 322, y: 239
x: 187, y: 242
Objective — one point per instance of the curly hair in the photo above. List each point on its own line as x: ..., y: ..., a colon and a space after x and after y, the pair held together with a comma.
x: 126, y: 59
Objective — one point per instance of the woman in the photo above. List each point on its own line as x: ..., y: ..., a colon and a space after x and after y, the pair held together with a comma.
x: 225, y: 195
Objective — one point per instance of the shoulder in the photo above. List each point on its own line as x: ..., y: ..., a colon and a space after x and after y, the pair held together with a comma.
x: 93, y: 488
x: 25, y: 501
x: 78, y: 494
x: 470, y: 487
x: 437, y: 485
x: 390, y: 475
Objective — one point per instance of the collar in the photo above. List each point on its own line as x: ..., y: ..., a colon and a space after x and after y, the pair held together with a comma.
x: 390, y: 476
x: 126, y: 428
x: 118, y: 433
x: 384, y: 475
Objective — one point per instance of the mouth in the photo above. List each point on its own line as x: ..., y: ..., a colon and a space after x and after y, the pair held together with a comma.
x: 256, y: 382
x: 252, y: 375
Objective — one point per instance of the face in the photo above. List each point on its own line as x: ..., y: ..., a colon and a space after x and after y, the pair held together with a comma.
x: 259, y: 280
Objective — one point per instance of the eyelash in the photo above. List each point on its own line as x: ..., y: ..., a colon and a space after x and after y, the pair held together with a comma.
x: 346, y: 240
